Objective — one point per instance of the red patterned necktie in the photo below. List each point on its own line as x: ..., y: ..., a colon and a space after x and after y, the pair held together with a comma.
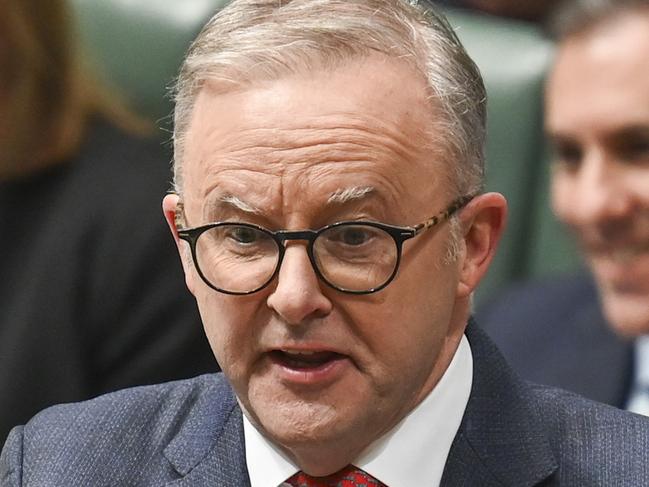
x: 349, y: 476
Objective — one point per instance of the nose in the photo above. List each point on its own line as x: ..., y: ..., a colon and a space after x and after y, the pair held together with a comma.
x: 595, y: 194
x: 297, y: 296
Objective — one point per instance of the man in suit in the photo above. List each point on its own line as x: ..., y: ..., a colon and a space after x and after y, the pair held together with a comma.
x: 589, y: 334
x: 332, y: 228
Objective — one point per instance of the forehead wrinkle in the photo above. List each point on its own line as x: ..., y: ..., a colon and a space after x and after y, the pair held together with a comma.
x: 386, y: 190
x: 284, y: 161
x: 327, y: 132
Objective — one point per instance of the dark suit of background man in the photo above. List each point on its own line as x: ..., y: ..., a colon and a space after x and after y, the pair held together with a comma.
x: 590, y: 334
x: 332, y: 227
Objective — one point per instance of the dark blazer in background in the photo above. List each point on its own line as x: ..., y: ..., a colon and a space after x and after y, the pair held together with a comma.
x: 190, y: 433
x: 92, y: 295
x: 553, y: 332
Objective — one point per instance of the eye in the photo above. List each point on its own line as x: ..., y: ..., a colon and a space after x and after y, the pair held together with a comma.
x: 352, y: 236
x: 566, y: 154
x: 634, y: 149
x: 243, y: 235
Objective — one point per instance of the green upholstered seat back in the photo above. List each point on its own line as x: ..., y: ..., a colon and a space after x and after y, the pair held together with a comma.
x: 514, y: 58
x: 139, y: 44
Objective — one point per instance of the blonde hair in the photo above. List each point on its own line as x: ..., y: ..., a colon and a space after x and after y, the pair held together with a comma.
x: 265, y: 39
x: 47, y: 93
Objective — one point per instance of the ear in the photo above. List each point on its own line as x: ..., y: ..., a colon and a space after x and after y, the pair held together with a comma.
x: 483, y: 222
x: 169, y: 207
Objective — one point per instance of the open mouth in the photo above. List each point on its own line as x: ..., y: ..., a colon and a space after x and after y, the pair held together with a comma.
x: 304, y: 360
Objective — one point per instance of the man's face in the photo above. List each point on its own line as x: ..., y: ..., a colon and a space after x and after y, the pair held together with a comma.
x: 316, y: 369
x: 598, y: 118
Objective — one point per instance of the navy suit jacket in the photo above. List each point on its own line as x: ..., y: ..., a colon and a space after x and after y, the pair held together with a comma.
x: 190, y: 433
x: 553, y: 332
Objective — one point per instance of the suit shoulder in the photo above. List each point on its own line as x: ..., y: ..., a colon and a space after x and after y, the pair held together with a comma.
x: 592, y: 443
x: 588, y: 430
x: 117, y: 407
x: 108, y: 436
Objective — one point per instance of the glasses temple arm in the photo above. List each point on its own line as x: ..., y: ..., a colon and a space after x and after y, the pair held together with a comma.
x: 458, y: 204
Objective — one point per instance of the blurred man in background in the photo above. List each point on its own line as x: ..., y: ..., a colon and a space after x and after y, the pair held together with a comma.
x: 90, y: 291
x: 589, y: 333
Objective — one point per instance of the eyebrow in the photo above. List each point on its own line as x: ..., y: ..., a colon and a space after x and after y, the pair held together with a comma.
x: 632, y: 130
x: 229, y: 201
x: 343, y: 195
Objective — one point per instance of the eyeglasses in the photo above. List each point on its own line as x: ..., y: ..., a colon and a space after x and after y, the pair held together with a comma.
x: 356, y: 257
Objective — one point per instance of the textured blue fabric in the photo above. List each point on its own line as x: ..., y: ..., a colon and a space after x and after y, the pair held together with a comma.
x: 190, y: 433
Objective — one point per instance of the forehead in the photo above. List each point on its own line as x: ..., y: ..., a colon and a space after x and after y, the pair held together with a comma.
x: 364, y: 124
x: 601, y: 78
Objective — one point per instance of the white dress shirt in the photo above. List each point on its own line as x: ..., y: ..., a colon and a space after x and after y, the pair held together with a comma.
x: 639, y: 394
x: 414, y: 452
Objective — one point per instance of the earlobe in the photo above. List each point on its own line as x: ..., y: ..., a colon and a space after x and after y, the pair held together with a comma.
x: 483, y: 222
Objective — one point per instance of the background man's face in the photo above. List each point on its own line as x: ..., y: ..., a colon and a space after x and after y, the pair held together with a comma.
x: 282, y: 149
x: 598, y: 117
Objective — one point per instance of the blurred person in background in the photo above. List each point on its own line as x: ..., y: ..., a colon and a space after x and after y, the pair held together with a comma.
x: 590, y: 333
x: 91, y: 292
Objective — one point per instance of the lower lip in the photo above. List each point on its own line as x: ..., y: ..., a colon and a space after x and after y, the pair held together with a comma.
x: 321, y: 375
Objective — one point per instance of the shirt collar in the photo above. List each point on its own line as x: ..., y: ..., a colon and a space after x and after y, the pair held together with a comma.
x: 413, y: 453
x: 642, y: 360
x: 638, y: 400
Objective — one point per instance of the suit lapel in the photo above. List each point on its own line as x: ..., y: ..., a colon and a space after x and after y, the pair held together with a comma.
x: 501, y: 440
x: 209, y: 449
x: 465, y: 468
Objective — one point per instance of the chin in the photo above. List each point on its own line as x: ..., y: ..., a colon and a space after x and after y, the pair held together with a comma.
x: 629, y: 316
x: 295, y: 421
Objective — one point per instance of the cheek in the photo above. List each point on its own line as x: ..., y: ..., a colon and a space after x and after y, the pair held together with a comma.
x: 228, y: 328
x: 404, y: 346
x: 562, y: 194
x: 192, y: 278
x: 407, y: 327
x: 638, y: 183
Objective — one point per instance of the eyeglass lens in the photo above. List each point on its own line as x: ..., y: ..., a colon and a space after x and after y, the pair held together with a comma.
x: 355, y: 257
x: 238, y: 258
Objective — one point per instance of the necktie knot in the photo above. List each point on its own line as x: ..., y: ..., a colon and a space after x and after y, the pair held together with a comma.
x: 349, y: 476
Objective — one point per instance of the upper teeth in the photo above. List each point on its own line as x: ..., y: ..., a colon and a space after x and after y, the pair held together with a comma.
x: 292, y: 352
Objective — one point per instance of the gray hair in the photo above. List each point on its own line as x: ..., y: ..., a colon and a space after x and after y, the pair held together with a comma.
x: 575, y: 17
x: 251, y: 40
